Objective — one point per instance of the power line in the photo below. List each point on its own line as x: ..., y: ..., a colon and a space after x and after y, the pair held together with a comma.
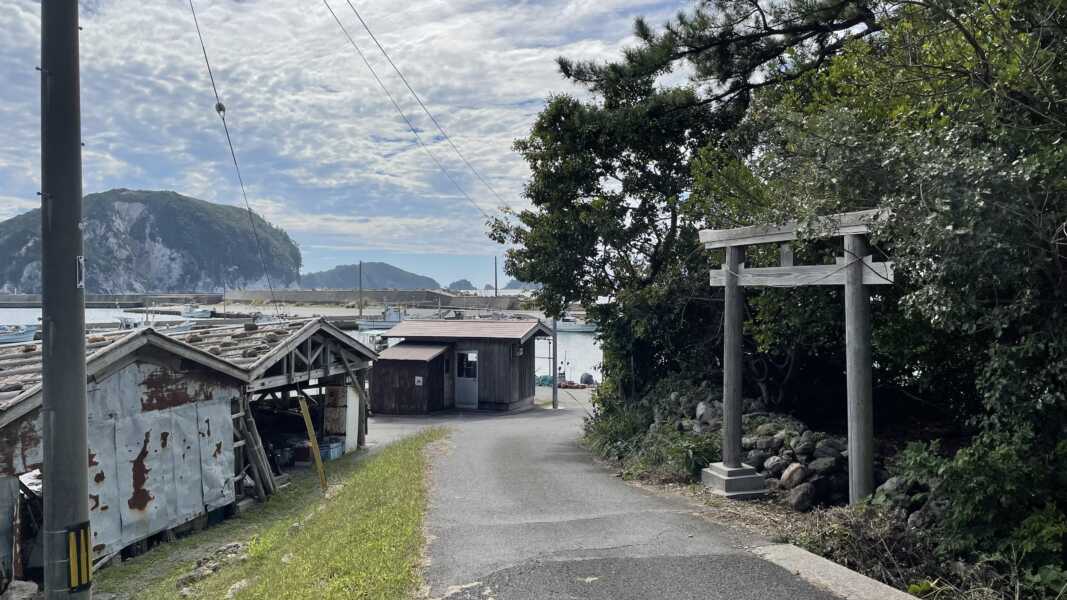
x: 400, y: 111
x: 220, y: 108
x: 421, y: 104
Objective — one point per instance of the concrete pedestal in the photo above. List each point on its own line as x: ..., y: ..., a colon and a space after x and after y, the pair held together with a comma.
x: 737, y: 483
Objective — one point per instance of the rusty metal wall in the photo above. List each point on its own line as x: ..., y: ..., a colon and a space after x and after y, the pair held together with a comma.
x: 160, y: 452
x: 20, y: 445
x: 216, y: 452
x: 158, y: 441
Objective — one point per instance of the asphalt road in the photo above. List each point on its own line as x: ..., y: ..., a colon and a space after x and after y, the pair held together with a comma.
x: 520, y: 511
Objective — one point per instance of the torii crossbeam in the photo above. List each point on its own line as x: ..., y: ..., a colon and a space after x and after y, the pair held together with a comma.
x: 855, y: 270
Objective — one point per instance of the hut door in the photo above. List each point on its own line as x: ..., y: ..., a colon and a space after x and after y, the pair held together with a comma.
x: 467, y: 379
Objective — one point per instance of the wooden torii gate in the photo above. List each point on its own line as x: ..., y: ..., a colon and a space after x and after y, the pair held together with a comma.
x: 855, y: 270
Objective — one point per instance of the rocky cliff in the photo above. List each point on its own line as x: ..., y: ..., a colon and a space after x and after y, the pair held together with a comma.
x: 155, y: 241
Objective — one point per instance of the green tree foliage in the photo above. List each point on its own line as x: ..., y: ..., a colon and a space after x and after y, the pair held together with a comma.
x: 952, y: 114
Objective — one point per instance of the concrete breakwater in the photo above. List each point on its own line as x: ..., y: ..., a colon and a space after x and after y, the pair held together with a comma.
x: 115, y: 300
x: 410, y: 298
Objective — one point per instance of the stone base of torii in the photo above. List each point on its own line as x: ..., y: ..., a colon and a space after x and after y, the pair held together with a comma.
x: 855, y: 271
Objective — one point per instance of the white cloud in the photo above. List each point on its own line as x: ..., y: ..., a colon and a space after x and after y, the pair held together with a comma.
x: 321, y: 148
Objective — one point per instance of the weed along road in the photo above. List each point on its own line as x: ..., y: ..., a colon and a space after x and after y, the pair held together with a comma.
x: 518, y: 510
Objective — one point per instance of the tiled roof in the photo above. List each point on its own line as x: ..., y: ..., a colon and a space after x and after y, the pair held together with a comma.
x: 244, y: 352
x: 470, y: 329
x: 405, y: 351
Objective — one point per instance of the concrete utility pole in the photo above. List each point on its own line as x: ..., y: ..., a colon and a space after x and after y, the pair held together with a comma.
x: 858, y: 378
x: 496, y: 283
x: 360, y: 289
x: 64, y: 413
x: 555, y: 367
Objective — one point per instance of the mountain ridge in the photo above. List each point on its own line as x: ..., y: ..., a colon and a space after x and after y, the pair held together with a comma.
x: 140, y: 241
x: 376, y: 275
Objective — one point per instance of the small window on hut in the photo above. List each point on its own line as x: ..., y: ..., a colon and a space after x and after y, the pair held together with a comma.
x: 467, y: 365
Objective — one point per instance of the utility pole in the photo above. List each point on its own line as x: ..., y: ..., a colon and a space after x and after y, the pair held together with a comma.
x: 360, y: 289
x: 496, y: 284
x: 64, y: 413
x: 555, y: 367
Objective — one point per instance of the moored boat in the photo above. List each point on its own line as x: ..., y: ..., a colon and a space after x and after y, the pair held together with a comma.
x: 17, y: 334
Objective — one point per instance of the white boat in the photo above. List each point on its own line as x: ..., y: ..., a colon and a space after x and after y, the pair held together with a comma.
x: 17, y: 334
x: 191, y: 311
x: 570, y: 324
x: 390, y: 317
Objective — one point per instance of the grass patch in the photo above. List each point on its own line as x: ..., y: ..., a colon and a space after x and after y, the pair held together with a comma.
x: 364, y: 541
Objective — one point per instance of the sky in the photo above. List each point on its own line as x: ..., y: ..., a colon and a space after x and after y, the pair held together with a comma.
x: 322, y: 151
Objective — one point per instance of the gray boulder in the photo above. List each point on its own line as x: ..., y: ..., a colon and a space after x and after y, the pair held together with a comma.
x: 769, y: 443
x: 896, y: 486
x: 767, y: 429
x: 823, y: 466
x: 748, y: 442
x: 804, y: 447
x: 928, y: 515
x: 802, y: 497
x: 794, y: 475
x: 775, y: 466
x: 756, y: 458
x: 822, y: 451
x: 834, y: 443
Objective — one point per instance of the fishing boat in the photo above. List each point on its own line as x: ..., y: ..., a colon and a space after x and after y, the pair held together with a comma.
x: 572, y: 325
x: 390, y: 317
x: 192, y: 311
x: 17, y: 334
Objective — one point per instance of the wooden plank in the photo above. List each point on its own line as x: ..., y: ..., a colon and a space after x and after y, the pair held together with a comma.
x: 874, y: 273
x: 733, y: 358
x: 303, y: 399
x: 283, y: 380
x: 858, y: 375
x: 840, y: 224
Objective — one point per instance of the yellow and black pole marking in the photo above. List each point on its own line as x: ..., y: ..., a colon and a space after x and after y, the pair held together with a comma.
x: 81, y: 563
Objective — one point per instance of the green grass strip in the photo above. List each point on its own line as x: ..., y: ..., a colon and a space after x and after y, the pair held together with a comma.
x: 364, y: 541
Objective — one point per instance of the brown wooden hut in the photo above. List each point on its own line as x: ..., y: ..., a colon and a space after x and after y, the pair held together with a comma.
x: 467, y: 364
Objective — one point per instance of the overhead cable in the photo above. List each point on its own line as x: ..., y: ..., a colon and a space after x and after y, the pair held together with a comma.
x: 400, y: 111
x: 220, y: 108
x: 423, y: 105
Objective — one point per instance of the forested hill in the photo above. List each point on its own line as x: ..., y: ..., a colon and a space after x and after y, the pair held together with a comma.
x: 376, y: 275
x: 155, y: 241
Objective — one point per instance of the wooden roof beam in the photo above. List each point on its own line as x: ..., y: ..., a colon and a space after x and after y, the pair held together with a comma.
x: 849, y: 223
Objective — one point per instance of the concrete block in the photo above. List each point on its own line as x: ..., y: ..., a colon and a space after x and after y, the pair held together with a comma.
x: 738, y: 483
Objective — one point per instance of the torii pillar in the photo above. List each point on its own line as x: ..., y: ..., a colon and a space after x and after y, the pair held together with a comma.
x: 855, y: 271
x: 731, y: 477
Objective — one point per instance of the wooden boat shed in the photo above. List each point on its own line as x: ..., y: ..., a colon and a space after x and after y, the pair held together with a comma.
x: 469, y: 364
x: 173, y: 433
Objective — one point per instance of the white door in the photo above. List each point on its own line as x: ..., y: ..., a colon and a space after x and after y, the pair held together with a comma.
x: 467, y: 379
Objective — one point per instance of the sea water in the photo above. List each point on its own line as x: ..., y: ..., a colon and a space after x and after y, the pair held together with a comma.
x: 30, y: 316
x: 578, y: 353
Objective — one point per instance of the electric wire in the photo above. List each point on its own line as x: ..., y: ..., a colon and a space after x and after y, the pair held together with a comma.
x: 400, y: 111
x: 220, y: 108
x: 422, y: 105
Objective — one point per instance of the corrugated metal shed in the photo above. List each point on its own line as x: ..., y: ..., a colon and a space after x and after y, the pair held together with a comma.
x: 419, y: 352
x: 232, y: 349
x: 161, y: 407
x: 473, y: 329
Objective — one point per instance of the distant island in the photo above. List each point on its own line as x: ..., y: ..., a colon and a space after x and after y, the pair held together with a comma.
x: 462, y: 285
x: 376, y: 275
x: 515, y: 284
x: 140, y: 241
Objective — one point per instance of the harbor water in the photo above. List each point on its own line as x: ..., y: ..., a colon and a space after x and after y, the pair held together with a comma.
x: 578, y: 352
